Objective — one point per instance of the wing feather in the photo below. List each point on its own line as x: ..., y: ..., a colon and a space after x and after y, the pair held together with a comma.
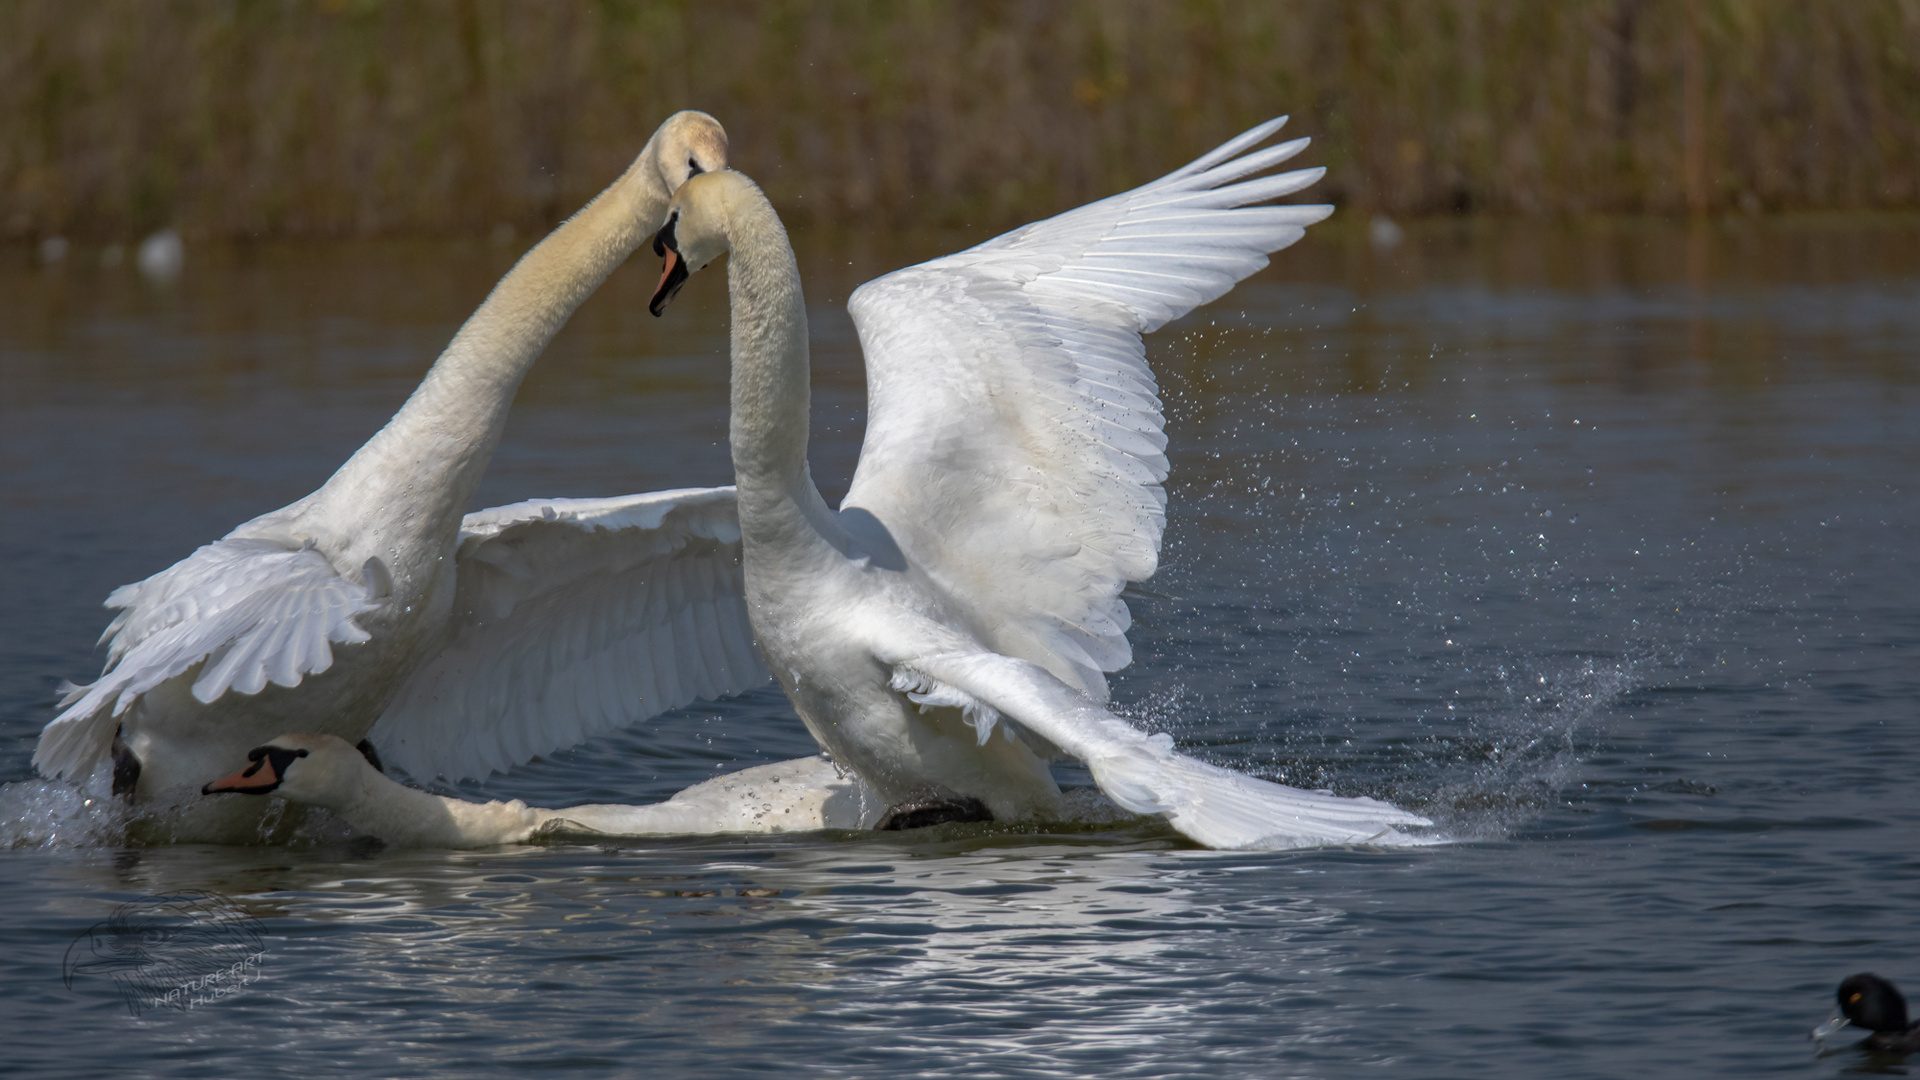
x: 1014, y: 445
x: 244, y: 611
x: 1143, y: 773
x: 573, y: 617
x: 706, y: 627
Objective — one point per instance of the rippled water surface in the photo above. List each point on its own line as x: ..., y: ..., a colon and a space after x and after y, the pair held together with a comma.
x: 1595, y: 543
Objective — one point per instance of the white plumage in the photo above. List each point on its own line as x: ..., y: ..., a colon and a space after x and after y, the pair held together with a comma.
x: 323, y: 770
x: 255, y: 611
x: 244, y: 612
x: 1014, y: 423
x: 571, y: 617
x: 313, y: 617
x: 1143, y: 773
x: 1008, y: 488
x: 574, y: 617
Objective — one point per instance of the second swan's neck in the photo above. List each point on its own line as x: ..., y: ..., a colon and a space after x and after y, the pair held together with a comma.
x: 408, y: 817
x: 420, y: 470
x: 771, y: 396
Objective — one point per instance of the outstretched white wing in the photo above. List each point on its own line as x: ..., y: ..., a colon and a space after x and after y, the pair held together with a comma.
x: 1217, y: 807
x: 574, y: 617
x: 1014, y: 447
x: 250, y: 612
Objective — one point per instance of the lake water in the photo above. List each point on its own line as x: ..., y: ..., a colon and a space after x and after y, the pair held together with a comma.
x: 1594, y: 542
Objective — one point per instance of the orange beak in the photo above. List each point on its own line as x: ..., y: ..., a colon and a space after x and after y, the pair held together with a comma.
x: 672, y: 276
x: 256, y: 779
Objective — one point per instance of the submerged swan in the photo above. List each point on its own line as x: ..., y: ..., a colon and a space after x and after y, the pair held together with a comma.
x: 475, y: 643
x: 324, y: 770
x: 1008, y: 487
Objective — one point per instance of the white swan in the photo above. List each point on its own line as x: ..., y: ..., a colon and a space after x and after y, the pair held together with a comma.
x: 1008, y: 487
x: 324, y: 770
x: 519, y: 630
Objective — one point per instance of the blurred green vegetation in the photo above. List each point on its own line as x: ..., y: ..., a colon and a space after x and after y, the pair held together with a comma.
x: 233, y: 118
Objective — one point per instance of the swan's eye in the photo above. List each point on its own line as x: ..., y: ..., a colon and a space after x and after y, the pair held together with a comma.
x: 693, y: 168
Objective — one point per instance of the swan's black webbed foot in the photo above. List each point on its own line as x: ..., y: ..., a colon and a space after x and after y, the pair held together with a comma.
x: 924, y: 812
x: 373, y: 756
x: 126, y: 768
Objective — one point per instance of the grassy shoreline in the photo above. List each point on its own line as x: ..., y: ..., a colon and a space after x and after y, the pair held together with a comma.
x: 458, y: 117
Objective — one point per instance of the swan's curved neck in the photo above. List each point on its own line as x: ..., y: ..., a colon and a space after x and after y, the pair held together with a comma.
x: 771, y: 397
x: 408, y: 817
x: 431, y: 455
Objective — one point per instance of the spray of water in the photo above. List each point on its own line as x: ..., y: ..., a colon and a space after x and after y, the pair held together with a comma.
x: 55, y: 813
x: 1512, y: 759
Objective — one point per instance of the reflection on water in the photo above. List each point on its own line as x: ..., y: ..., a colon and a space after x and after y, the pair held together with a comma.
x: 1592, y: 540
x: 982, y: 946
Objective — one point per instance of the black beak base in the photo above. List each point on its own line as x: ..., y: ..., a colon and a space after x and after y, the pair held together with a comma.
x: 260, y: 778
x: 674, y: 276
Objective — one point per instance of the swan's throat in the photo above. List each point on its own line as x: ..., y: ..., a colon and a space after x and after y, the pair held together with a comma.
x: 771, y: 393
x: 413, y: 479
x: 783, y: 519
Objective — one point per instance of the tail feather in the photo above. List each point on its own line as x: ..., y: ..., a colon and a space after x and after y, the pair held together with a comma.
x: 1225, y: 809
x: 1214, y: 806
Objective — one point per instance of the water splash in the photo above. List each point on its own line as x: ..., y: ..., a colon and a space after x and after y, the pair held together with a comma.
x: 1514, y: 757
x: 1162, y: 708
x: 56, y: 813
x: 59, y: 814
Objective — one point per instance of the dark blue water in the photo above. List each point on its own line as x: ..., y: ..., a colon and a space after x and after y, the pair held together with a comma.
x: 1594, y: 542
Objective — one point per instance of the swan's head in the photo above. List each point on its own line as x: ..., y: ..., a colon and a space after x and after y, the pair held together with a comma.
x: 301, y: 768
x: 688, y: 144
x: 696, y: 230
